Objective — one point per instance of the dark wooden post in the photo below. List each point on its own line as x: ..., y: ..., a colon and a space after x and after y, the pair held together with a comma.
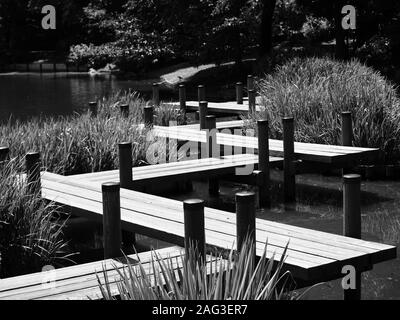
x: 156, y: 94
x: 194, y: 228
x: 213, y: 151
x: 4, y: 153
x: 202, y: 114
x: 239, y: 93
x: 93, y: 108
x: 252, y: 101
x: 41, y: 67
x: 125, y: 164
x: 347, y: 129
x: 352, y: 222
x: 250, y: 82
x: 263, y: 161
x: 182, y: 97
x: 126, y: 182
x: 201, y: 93
x: 245, y: 219
x: 289, y: 180
x: 111, y: 220
x: 148, y: 116
x: 33, y: 164
x: 124, y: 109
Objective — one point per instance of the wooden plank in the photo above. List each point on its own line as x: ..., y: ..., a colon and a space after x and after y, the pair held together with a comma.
x: 81, y: 281
x: 220, y: 107
x: 180, y: 170
x: 170, y: 213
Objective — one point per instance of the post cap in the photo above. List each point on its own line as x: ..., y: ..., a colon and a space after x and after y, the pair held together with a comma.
x: 239, y: 83
x: 110, y: 187
x: 124, y: 105
x: 203, y: 103
x: 245, y: 196
x: 193, y: 203
x: 33, y: 155
x: 148, y: 107
x: 200, y: 86
x: 250, y: 76
x: 92, y: 103
x: 155, y: 84
x: 4, y: 149
x: 262, y: 122
x: 125, y: 145
x: 288, y: 119
x: 181, y: 85
x: 352, y: 178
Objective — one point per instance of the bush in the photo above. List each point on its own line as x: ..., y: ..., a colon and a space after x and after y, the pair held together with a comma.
x: 316, y: 90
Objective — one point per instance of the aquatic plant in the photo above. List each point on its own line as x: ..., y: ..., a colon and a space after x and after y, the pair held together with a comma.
x: 30, y: 229
x: 315, y: 91
x: 238, y: 276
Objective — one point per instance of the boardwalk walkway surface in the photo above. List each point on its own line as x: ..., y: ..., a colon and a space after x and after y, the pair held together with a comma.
x: 320, y: 153
x: 80, y: 282
x: 312, y: 256
x: 181, y: 170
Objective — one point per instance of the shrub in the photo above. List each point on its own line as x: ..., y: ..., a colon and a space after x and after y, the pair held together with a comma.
x: 316, y: 90
x: 229, y: 279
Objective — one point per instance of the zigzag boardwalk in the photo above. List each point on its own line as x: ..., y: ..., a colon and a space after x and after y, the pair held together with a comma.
x: 312, y: 256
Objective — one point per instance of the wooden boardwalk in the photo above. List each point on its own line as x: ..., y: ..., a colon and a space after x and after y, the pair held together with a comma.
x: 319, y: 153
x: 218, y: 108
x: 312, y: 256
x: 80, y: 282
x: 181, y: 170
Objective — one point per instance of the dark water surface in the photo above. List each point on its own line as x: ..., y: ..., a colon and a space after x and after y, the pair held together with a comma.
x: 26, y: 95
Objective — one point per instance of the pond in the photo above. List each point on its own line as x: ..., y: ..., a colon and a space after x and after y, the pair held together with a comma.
x: 26, y: 95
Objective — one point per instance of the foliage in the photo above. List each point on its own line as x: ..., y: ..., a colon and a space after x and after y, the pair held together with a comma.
x: 315, y: 91
x: 81, y: 144
x: 30, y: 233
x: 225, y: 279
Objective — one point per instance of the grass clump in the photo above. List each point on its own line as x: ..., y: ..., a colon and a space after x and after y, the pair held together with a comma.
x: 239, y: 277
x: 316, y: 90
x: 30, y: 231
x: 82, y: 144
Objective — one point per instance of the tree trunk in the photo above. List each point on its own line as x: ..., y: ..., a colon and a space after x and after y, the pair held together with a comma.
x: 267, y: 17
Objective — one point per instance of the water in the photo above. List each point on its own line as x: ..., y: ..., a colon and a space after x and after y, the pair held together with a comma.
x: 26, y: 95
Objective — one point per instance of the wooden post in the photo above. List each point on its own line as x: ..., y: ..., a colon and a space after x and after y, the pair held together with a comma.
x: 213, y: 151
x: 182, y: 97
x: 203, y: 113
x: 4, y: 153
x: 125, y: 164
x: 194, y: 228
x: 41, y: 67
x: 347, y: 129
x: 126, y: 182
x: 124, y: 109
x: 201, y: 93
x: 93, y: 108
x: 263, y: 162
x: 252, y: 101
x: 239, y: 93
x: 289, y: 180
x: 32, y: 162
x: 250, y: 82
x: 148, y: 116
x: 111, y: 220
x: 245, y: 219
x: 156, y: 94
x: 352, y: 222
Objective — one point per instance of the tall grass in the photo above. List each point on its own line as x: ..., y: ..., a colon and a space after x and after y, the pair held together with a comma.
x: 238, y: 277
x: 82, y: 144
x: 315, y: 91
x: 30, y: 231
